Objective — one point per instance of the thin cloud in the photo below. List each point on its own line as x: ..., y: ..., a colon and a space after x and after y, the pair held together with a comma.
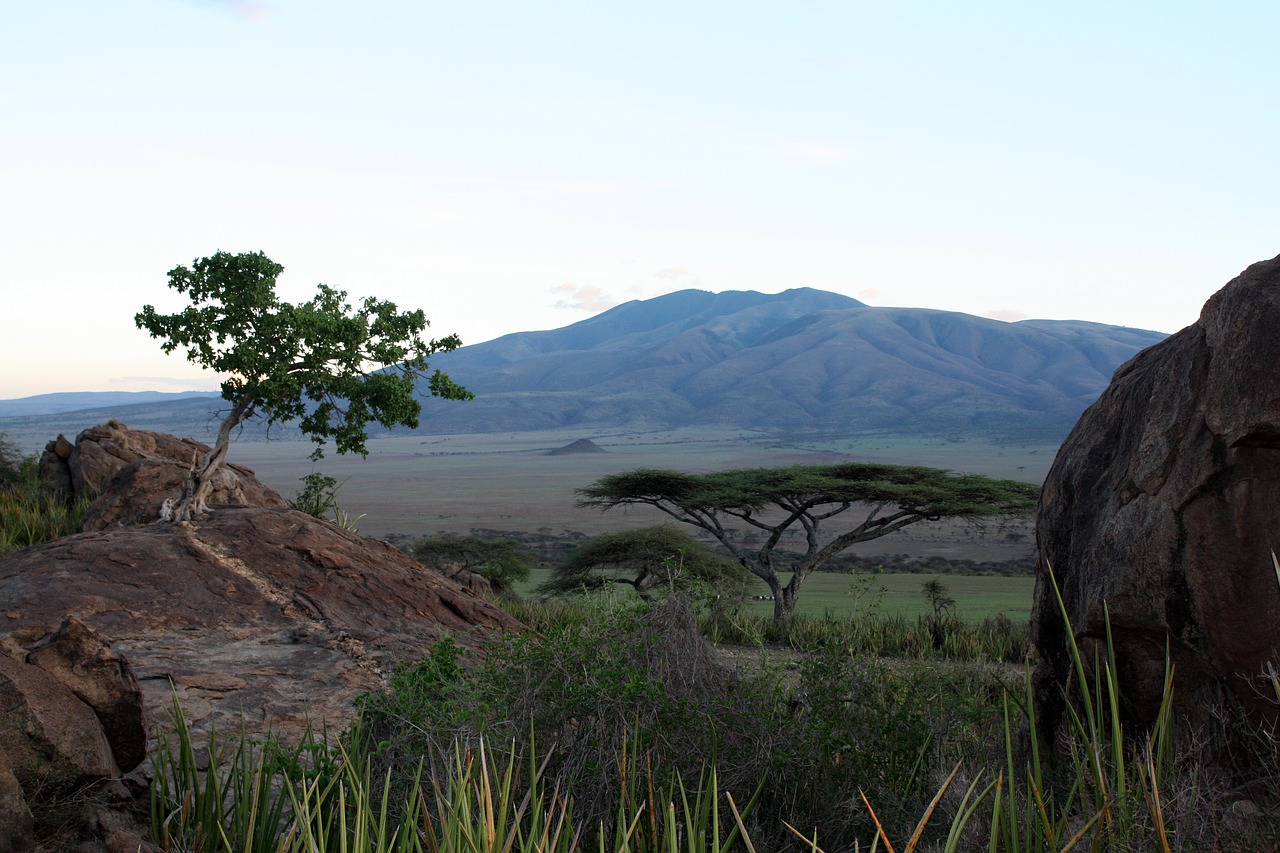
x: 1006, y: 314
x: 839, y: 63
x: 811, y: 153
x: 672, y: 273
x: 582, y: 297
x: 868, y: 293
x: 245, y: 10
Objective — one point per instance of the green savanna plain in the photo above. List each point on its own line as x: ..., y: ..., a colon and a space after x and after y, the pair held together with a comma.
x: 978, y: 597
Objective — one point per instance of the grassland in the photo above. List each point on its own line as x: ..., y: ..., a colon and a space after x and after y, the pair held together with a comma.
x: 453, y: 483
x: 977, y: 597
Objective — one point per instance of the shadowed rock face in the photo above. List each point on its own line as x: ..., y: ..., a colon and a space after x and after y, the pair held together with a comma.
x: 268, y: 613
x: 1164, y: 506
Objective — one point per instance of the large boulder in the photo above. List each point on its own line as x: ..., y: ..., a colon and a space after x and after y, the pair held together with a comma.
x: 54, y: 743
x: 130, y: 473
x: 255, y: 618
x: 1162, y: 510
x: 83, y: 662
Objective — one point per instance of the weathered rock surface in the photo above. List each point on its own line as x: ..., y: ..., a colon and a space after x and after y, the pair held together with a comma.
x: 131, y: 472
x: 1163, y: 506
x: 17, y: 824
x: 268, y: 613
x: 53, y: 741
x: 85, y: 664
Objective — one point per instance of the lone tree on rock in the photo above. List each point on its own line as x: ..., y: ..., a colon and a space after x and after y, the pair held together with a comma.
x: 331, y: 367
x: 872, y: 500
x: 646, y: 559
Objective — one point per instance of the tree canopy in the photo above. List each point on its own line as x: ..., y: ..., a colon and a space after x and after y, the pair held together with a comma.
x: 332, y: 367
x: 645, y: 559
x: 501, y: 561
x: 819, y: 509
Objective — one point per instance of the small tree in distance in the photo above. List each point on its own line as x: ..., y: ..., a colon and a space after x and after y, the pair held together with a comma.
x: 331, y: 367
x: 805, y: 499
x: 501, y: 561
x: 647, y: 559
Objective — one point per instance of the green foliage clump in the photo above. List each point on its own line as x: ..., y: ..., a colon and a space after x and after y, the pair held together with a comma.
x: 633, y: 678
x: 31, y: 513
x: 879, y: 726
x: 307, y: 361
x: 500, y: 561
x: 649, y: 559
x: 332, y: 367
x: 319, y: 496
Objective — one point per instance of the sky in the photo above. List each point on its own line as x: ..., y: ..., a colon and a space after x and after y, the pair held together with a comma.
x: 512, y: 166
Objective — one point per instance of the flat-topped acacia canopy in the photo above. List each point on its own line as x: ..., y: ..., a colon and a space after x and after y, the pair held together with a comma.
x: 809, y: 495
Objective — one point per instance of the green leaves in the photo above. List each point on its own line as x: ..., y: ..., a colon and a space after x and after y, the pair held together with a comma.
x: 333, y: 367
x: 647, y: 558
x: 927, y: 491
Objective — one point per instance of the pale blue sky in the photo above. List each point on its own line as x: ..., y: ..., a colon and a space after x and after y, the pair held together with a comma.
x: 515, y: 166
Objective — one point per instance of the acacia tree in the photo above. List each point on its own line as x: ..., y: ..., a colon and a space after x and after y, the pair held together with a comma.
x: 500, y: 561
x: 645, y: 559
x: 829, y: 507
x: 329, y: 366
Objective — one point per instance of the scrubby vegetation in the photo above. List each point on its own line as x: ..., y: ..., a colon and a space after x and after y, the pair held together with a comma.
x: 661, y: 557
x: 499, y: 560
x: 29, y: 512
x: 615, y: 727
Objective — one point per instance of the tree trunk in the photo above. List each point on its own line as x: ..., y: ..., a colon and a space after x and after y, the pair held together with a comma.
x: 195, y: 492
x: 784, y: 604
x: 785, y: 598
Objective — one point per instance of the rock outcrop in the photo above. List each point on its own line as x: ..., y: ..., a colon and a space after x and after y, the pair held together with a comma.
x: 268, y: 613
x: 1162, y: 510
x: 129, y: 473
x: 256, y: 617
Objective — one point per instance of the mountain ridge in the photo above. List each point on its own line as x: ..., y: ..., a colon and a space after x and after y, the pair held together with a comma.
x: 802, y: 360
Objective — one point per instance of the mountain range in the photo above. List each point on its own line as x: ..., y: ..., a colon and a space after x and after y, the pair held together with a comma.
x: 803, y: 360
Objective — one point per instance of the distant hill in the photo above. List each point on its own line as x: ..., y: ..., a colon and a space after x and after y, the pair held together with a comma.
x: 74, y: 401
x: 802, y: 360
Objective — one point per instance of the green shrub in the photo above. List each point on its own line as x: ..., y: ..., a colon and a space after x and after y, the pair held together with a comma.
x: 500, y: 561
x: 319, y: 495
x: 634, y: 681
x: 31, y: 514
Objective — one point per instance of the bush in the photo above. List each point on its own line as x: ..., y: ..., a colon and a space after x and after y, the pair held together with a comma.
x: 30, y: 513
x: 500, y: 561
x: 634, y: 681
x: 650, y: 560
x: 319, y: 495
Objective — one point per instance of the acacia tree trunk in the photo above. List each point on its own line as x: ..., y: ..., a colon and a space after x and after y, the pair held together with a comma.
x: 784, y: 606
x: 200, y: 479
x: 785, y: 597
